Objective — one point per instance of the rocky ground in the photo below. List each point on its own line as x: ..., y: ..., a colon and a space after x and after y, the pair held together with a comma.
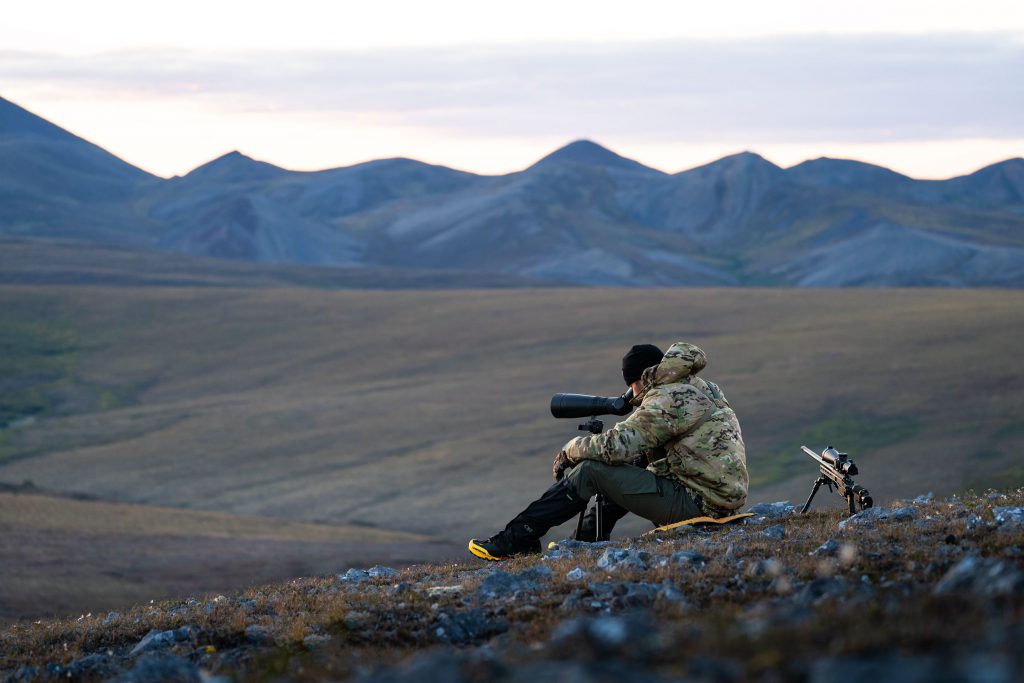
x: 924, y: 590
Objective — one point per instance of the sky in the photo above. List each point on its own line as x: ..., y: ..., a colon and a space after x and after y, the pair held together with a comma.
x: 931, y: 89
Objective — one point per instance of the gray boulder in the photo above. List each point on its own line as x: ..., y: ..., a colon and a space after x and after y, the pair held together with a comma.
x: 778, y: 510
x: 380, y: 572
x: 982, y: 576
x: 161, y: 667
x: 1009, y: 518
x: 877, y: 515
x: 624, y: 558
x: 461, y: 628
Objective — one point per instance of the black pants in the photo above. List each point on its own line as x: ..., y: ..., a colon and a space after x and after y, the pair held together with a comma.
x: 659, y: 499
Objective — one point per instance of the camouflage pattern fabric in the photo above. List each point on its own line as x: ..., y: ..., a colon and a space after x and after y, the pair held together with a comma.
x: 686, y: 429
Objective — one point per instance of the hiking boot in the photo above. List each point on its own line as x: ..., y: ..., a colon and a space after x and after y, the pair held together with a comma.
x: 522, y: 535
x: 503, y: 545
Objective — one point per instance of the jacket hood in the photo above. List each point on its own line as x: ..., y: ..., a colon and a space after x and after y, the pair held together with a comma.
x: 682, y: 360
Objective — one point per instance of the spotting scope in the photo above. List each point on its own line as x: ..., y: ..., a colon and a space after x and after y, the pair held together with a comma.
x: 583, y: 405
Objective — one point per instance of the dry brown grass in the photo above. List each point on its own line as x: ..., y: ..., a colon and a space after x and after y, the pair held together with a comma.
x: 729, y: 612
x: 63, y: 556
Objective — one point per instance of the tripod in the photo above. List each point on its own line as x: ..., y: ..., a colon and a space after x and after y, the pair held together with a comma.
x: 594, y: 426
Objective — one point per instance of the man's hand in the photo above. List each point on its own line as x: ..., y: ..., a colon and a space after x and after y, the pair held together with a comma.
x: 560, y: 465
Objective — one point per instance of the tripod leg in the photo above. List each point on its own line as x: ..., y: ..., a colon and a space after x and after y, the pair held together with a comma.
x: 579, y: 524
x: 599, y: 527
x: 807, y: 505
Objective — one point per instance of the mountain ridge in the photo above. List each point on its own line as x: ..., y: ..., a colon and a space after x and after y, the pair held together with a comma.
x: 581, y: 215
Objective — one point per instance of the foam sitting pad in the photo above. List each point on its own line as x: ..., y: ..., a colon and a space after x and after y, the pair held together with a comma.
x: 696, y: 521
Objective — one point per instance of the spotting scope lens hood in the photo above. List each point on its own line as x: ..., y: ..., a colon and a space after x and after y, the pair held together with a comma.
x: 583, y: 405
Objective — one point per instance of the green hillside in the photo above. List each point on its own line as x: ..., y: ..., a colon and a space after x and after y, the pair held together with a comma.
x: 427, y: 411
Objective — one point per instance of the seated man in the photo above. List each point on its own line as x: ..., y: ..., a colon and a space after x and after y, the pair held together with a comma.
x: 682, y: 426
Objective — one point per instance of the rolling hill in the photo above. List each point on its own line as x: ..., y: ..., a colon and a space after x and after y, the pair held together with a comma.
x: 65, y: 556
x: 581, y: 215
x: 427, y: 411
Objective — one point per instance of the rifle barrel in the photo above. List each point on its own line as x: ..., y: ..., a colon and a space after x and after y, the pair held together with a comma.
x: 814, y: 455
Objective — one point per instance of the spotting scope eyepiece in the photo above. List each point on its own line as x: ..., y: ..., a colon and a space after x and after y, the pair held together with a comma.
x: 582, y: 405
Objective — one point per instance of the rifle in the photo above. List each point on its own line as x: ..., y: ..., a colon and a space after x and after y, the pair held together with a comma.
x: 838, y: 470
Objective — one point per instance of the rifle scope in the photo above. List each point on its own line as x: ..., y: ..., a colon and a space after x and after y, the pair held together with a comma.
x: 839, y: 461
x: 583, y: 405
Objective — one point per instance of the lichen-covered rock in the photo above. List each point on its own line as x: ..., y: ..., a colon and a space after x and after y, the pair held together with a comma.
x: 829, y: 548
x: 624, y: 558
x: 1009, y: 518
x: 354, y: 576
x: 776, y: 532
x: 461, y: 628
x: 161, y: 667
x: 501, y: 584
x: 778, y: 510
x: 381, y: 572
x: 982, y: 576
x: 876, y: 515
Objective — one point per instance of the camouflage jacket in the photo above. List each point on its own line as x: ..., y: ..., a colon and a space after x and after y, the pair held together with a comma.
x: 686, y: 429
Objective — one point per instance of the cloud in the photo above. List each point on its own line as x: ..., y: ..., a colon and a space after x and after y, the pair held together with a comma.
x: 873, y: 88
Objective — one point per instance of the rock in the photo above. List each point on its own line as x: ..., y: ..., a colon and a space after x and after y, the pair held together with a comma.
x: 257, y: 635
x: 605, y: 636
x: 380, y: 572
x: 776, y: 532
x: 161, y: 668
x: 974, y: 523
x: 248, y: 604
x: 1008, y: 518
x: 818, y: 590
x: 157, y: 640
x: 923, y: 500
x: 624, y: 558
x: 829, y: 548
x: 873, y: 516
x: 687, y: 558
x: 154, y: 640
x: 354, y: 576
x: 400, y: 588
x: 462, y: 628
x: 568, y: 547
x: 538, y: 572
x: 315, y: 640
x: 777, y: 510
x: 501, y: 584
x: 94, y: 666
x: 357, y: 620
x: 770, y: 567
x: 575, y: 574
x: 982, y: 576
x: 670, y: 593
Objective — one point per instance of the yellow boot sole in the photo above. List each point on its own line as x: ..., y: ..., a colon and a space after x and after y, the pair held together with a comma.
x: 482, y: 553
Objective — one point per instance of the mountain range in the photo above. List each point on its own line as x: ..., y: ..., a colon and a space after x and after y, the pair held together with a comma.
x: 581, y: 215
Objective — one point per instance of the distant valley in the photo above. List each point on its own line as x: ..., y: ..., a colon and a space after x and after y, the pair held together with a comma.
x: 583, y: 215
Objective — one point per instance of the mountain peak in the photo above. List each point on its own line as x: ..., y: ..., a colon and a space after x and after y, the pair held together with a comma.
x: 741, y: 162
x: 235, y: 167
x: 590, y: 153
x: 18, y: 121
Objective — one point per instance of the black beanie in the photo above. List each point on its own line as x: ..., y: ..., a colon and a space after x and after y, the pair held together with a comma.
x: 639, y: 358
